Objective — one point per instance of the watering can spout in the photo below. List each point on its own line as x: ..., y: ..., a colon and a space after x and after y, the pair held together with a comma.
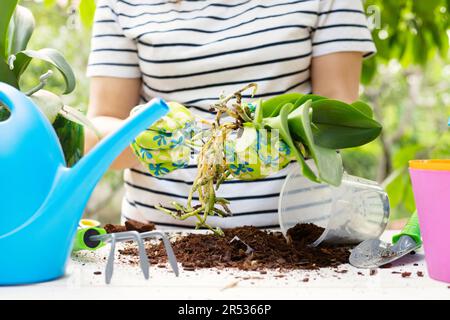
x: 95, y: 163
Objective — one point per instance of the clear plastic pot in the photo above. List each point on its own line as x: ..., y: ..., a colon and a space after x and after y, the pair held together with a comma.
x: 355, y: 211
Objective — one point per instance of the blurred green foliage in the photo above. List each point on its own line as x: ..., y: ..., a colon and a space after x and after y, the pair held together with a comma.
x: 413, y: 105
x: 407, y: 82
x: 412, y: 32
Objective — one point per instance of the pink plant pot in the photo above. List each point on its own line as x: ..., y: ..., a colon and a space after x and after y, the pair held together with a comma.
x: 432, y: 195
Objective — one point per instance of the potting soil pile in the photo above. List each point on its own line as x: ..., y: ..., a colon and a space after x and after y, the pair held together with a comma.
x: 248, y: 248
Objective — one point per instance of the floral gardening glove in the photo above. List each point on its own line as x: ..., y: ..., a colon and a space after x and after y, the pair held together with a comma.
x: 256, y: 154
x: 161, y: 148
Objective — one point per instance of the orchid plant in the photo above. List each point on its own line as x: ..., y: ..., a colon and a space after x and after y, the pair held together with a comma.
x: 16, y: 28
x: 298, y: 127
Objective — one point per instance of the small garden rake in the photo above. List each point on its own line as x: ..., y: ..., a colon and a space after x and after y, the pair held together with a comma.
x: 95, y: 238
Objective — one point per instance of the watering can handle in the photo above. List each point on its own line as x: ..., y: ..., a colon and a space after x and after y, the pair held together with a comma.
x: 17, y: 103
x: 10, y: 96
x: 23, y: 114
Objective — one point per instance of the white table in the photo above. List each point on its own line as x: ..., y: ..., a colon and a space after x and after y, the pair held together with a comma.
x: 80, y: 282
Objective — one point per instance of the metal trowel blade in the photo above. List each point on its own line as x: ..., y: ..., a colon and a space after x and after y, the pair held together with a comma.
x: 373, y: 253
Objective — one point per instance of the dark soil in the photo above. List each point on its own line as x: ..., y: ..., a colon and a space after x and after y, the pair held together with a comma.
x: 304, y: 234
x: 406, y: 274
x: 269, y: 250
x: 386, y: 266
x: 130, y: 225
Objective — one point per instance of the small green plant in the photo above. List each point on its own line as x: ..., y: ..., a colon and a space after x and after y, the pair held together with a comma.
x: 313, y: 127
x: 16, y: 28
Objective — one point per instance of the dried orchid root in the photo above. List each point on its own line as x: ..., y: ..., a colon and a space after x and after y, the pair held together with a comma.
x: 212, y: 166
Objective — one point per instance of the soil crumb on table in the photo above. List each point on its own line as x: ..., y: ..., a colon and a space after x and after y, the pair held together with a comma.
x: 269, y: 250
x: 406, y: 274
x: 130, y: 225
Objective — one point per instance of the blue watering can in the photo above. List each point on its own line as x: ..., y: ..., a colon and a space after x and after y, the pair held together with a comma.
x: 41, y: 200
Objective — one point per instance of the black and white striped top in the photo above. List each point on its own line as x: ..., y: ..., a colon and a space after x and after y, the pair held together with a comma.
x: 191, y: 51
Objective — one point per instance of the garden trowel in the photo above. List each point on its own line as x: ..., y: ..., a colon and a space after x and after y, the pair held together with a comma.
x: 373, y: 253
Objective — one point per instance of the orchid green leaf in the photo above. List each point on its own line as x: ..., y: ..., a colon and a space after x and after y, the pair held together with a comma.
x: 7, y: 75
x: 6, y: 13
x: 328, y: 161
x: 51, y: 56
x: 306, y: 97
x: 20, y: 30
x: 258, y: 113
x: 364, y: 108
x: 280, y: 123
x: 338, y: 125
x: 272, y: 107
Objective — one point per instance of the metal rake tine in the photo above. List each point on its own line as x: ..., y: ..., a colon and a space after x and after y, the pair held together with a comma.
x: 110, y: 263
x: 169, y: 250
x: 143, y: 259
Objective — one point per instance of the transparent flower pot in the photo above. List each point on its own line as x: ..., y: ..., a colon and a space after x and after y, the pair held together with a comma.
x: 355, y: 211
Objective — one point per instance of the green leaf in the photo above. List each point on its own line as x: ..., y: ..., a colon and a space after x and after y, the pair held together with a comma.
x: 258, y: 113
x: 281, y: 124
x: 364, y: 108
x: 87, y: 12
x: 338, y: 125
x: 20, y: 30
x: 306, y: 97
x: 71, y: 137
x: 53, y: 57
x: 342, y: 137
x: 6, y: 13
x: 272, y: 107
x: 7, y: 75
x: 49, y: 103
x: 328, y: 161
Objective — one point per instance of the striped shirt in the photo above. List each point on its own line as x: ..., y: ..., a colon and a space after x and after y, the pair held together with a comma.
x: 191, y: 51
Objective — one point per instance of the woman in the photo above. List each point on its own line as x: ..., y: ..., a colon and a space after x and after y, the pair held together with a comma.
x: 190, y: 52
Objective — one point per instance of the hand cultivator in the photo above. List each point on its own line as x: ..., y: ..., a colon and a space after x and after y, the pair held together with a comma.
x: 94, y: 238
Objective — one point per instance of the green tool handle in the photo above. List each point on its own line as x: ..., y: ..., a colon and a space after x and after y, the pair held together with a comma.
x: 411, y: 229
x: 82, y: 239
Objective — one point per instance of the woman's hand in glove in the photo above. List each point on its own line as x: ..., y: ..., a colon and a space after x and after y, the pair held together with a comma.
x: 161, y: 148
